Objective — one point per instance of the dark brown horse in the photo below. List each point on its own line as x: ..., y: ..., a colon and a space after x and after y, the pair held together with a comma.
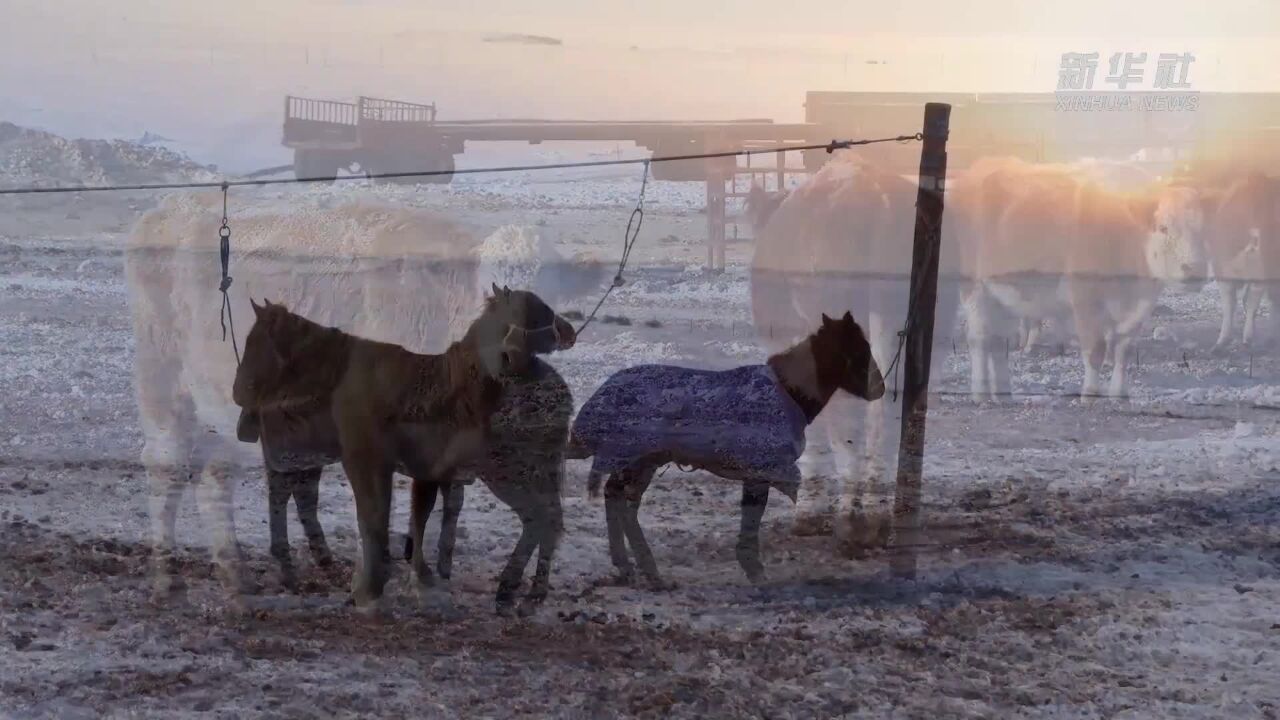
x: 316, y: 396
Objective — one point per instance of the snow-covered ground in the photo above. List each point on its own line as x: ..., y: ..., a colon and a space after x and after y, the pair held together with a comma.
x: 1113, y: 560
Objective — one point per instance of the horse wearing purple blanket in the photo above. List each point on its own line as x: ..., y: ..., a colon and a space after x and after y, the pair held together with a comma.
x: 744, y: 424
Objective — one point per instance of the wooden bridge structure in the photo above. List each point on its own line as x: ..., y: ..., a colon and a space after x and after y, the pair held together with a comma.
x: 387, y: 136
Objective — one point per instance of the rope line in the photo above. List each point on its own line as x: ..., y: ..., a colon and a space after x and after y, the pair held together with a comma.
x: 225, y: 316
x: 829, y: 147
x: 629, y: 237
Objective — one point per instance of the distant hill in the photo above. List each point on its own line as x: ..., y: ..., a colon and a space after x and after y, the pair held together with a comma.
x: 29, y: 156
x: 521, y: 39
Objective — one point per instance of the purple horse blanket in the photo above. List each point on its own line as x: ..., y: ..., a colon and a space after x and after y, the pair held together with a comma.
x: 740, y: 424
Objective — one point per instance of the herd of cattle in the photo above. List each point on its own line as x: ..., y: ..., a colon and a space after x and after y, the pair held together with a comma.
x: 1092, y: 243
x: 1022, y: 244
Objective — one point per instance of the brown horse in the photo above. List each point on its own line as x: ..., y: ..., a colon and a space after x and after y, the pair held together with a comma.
x: 316, y: 395
x: 743, y: 424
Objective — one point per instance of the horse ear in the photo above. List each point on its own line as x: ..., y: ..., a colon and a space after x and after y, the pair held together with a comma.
x: 848, y: 317
x: 826, y: 321
x: 496, y: 290
x: 257, y: 309
x: 506, y: 292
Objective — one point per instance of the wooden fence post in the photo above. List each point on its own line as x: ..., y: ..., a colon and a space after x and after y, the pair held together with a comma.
x: 919, y: 339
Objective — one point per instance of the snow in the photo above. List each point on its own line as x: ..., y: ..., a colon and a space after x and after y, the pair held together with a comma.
x: 1104, y: 560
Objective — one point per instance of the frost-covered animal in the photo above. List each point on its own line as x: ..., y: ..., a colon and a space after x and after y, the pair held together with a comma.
x: 526, y: 257
x: 1242, y: 232
x: 1042, y: 240
x: 745, y: 424
x: 844, y: 240
x: 1114, y: 175
x: 316, y: 396
x: 385, y: 273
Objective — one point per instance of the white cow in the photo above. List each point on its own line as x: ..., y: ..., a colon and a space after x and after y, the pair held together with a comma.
x: 1042, y: 240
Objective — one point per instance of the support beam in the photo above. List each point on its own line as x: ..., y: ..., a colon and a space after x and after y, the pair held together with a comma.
x: 919, y: 339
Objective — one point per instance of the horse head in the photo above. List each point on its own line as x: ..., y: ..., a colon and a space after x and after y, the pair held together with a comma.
x: 843, y: 358
x: 515, y: 326
x: 282, y: 351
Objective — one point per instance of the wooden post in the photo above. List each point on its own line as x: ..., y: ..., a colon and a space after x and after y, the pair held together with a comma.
x: 919, y: 341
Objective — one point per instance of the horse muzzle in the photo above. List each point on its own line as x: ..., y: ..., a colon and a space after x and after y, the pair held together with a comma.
x: 875, y: 387
x: 565, y: 335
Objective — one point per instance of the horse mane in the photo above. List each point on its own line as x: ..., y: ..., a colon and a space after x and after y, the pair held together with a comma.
x: 316, y: 356
x: 468, y: 391
x: 803, y: 374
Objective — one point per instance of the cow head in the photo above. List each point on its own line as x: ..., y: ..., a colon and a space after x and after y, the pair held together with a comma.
x: 1175, y: 246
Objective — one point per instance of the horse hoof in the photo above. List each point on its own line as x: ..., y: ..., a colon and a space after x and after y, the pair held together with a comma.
x: 658, y: 584
x: 529, y: 607
x: 286, y: 579
x: 622, y: 579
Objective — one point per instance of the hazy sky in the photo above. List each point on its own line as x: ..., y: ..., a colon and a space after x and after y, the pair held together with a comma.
x: 215, y: 72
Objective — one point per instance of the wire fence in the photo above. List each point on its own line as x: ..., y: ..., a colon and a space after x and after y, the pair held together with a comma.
x: 830, y: 147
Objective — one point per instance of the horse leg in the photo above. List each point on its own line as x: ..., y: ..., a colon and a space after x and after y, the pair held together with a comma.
x: 755, y: 496
x: 637, y: 482
x: 306, y: 496
x: 453, y: 498
x: 546, y: 484
x: 279, y: 488
x: 422, y: 500
x: 509, y: 578
x: 433, y: 596
x: 615, y: 518
x: 370, y: 478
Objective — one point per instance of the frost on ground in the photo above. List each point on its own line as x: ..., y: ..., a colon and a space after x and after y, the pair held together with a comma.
x: 1114, y: 560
